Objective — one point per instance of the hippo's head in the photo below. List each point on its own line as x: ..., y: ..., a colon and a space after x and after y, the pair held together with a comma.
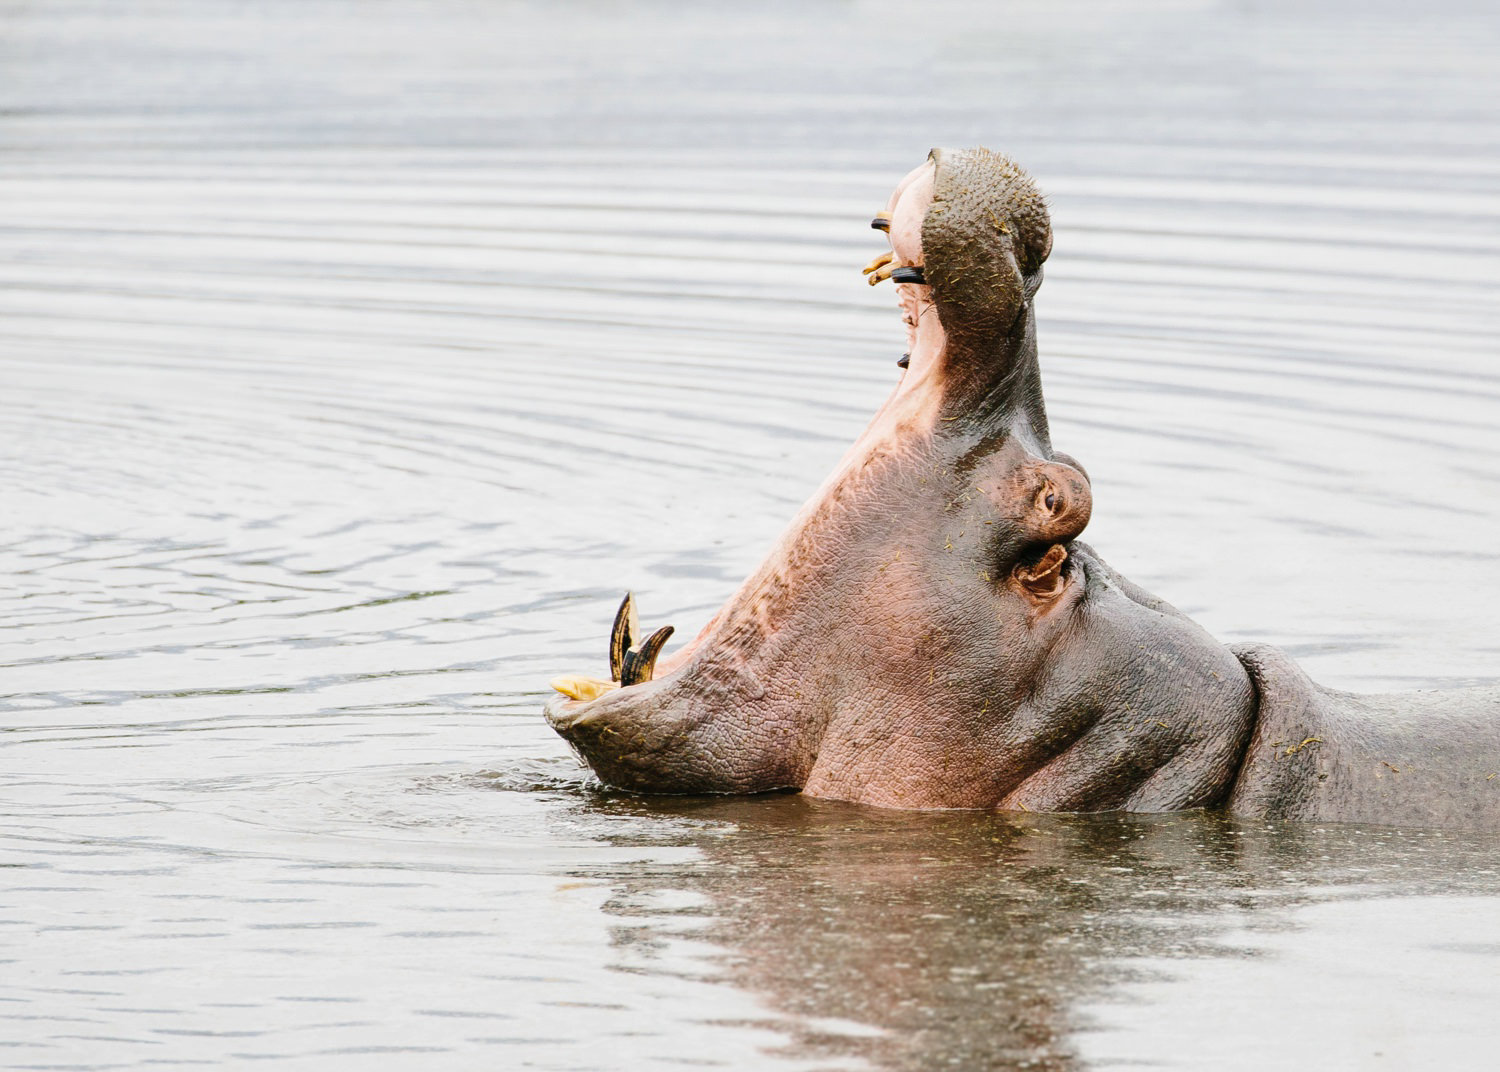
x: 927, y: 633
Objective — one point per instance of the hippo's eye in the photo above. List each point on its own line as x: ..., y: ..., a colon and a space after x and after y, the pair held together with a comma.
x: 1051, y: 500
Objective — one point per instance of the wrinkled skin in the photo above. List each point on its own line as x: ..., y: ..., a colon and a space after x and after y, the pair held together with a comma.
x: 928, y: 633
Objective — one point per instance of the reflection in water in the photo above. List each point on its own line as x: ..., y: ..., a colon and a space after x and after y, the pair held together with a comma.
x: 963, y: 940
x: 354, y: 358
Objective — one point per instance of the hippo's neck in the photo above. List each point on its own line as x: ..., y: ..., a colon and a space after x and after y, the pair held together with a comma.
x: 911, y: 458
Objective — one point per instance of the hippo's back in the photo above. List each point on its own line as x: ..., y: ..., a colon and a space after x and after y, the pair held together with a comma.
x: 1402, y: 759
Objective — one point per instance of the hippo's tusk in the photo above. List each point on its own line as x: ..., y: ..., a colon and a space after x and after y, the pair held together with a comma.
x: 640, y: 663
x: 582, y: 688
x: 908, y: 273
x: 879, y: 262
x: 882, y: 221
x: 880, y: 275
x: 622, y: 635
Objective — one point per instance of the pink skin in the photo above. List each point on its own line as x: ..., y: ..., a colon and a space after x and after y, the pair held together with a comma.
x: 911, y: 409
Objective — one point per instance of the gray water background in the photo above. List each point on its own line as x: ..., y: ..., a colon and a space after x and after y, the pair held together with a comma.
x: 355, y: 357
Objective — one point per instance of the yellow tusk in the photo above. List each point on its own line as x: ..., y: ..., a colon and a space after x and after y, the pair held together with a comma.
x: 880, y: 275
x: 582, y: 688
x: 880, y: 261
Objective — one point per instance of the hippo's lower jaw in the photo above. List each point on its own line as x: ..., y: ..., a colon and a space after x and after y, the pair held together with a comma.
x: 929, y: 634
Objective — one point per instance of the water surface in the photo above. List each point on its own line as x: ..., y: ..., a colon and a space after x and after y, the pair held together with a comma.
x: 355, y: 358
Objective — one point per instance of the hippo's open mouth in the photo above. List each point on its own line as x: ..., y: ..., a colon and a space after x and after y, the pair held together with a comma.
x: 926, y: 633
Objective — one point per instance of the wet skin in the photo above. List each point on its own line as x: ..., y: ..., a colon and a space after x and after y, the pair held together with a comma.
x: 928, y: 633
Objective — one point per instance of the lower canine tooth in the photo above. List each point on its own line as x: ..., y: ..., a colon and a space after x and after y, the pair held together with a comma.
x: 582, y: 688
x: 622, y: 636
x: 640, y: 663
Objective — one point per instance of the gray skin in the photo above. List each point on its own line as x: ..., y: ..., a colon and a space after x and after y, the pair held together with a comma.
x: 930, y: 633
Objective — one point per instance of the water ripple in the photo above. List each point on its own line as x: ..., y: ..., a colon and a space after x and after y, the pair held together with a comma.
x: 356, y: 359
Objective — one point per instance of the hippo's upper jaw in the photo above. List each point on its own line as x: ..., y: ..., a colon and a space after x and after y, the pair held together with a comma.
x: 926, y: 633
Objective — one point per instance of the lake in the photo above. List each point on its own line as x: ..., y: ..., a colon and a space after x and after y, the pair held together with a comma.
x: 356, y: 358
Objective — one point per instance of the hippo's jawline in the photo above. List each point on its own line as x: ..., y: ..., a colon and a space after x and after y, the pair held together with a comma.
x: 928, y: 632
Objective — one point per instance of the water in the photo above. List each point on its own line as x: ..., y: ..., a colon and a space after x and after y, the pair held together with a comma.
x: 355, y: 359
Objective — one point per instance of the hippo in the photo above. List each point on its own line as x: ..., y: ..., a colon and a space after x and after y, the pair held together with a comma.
x: 930, y: 631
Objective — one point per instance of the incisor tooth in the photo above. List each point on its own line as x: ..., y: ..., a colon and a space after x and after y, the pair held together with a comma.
x: 582, y: 688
